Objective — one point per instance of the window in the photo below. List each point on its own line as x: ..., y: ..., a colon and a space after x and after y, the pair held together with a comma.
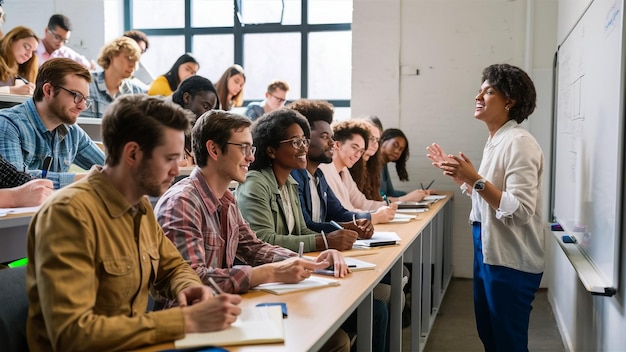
x: 307, y: 43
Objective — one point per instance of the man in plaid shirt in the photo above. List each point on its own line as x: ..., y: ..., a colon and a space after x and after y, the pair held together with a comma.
x: 199, y: 214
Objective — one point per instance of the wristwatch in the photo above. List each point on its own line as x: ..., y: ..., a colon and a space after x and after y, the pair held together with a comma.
x: 479, y: 185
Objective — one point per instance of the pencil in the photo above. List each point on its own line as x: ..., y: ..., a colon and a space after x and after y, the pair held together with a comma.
x: 215, y: 286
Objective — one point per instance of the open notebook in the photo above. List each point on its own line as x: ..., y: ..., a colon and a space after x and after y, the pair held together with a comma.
x: 380, y: 238
x: 309, y: 283
x: 353, y: 263
x: 255, y: 325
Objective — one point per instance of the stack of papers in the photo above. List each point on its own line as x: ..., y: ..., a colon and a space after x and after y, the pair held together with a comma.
x: 311, y: 282
x: 402, y: 218
x: 378, y: 239
x: 24, y: 210
x: 353, y: 263
x: 255, y: 325
x: 434, y: 197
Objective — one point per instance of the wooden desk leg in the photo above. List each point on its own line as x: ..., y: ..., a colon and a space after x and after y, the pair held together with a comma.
x: 365, y: 324
x: 395, y: 307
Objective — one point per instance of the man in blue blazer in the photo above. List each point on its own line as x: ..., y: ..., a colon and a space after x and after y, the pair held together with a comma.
x: 319, y: 203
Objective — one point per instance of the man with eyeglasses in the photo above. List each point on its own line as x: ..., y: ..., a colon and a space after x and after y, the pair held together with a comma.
x: 44, y: 126
x: 199, y: 214
x: 275, y: 98
x: 119, y: 60
x: 52, y: 44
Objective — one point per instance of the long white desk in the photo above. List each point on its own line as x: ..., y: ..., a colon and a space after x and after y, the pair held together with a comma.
x: 315, y: 315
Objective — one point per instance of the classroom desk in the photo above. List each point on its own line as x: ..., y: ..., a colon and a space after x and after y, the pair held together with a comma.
x: 13, y: 228
x: 315, y: 314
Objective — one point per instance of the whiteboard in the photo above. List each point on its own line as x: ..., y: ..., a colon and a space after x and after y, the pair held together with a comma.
x: 589, y: 132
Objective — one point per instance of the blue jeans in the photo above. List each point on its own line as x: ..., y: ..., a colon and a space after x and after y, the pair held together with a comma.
x: 379, y: 330
x: 502, y: 302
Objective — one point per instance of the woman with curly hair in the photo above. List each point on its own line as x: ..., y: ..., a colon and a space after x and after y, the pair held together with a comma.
x: 18, y: 62
x: 506, y: 208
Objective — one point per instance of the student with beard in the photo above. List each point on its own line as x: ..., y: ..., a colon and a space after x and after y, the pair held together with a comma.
x: 318, y: 201
x: 45, y: 125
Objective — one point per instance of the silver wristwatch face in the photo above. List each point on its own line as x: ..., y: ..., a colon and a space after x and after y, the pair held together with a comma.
x: 479, y: 186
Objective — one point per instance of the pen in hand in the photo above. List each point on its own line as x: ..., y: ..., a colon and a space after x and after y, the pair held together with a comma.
x: 354, y: 219
x: 300, y: 249
x: 215, y: 286
x: 22, y: 79
x: 427, y: 187
x: 382, y: 194
x: 47, y: 162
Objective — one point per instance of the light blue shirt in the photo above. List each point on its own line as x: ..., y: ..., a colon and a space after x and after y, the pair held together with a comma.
x: 25, y: 141
x: 102, y: 99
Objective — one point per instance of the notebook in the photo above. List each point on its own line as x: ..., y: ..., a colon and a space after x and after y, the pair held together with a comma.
x: 434, y: 197
x: 413, y: 205
x: 312, y: 282
x: 402, y: 218
x: 255, y: 325
x: 378, y: 239
x: 354, y: 264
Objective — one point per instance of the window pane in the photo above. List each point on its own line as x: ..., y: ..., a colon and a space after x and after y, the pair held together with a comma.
x: 260, y: 11
x: 158, y: 14
x: 212, y: 13
x: 214, y: 53
x: 164, y: 50
x: 330, y: 65
x: 293, y: 12
x: 342, y: 114
x: 269, y: 57
x: 330, y: 11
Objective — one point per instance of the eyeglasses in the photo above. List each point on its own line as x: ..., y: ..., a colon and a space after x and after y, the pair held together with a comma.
x: 78, y: 98
x: 358, y: 151
x: 246, y: 149
x: 374, y: 139
x: 57, y: 37
x: 280, y: 100
x: 298, y: 142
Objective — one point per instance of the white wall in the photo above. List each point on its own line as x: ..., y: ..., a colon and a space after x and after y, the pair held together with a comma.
x: 94, y: 22
x: 450, y: 42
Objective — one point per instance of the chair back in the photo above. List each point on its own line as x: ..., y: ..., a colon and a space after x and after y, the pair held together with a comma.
x: 13, y: 309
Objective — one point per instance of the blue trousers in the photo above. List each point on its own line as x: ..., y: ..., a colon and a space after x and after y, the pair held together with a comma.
x: 502, y: 302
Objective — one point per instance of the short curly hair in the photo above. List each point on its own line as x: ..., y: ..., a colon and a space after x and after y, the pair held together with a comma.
x: 269, y: 129
x: 115, y: 47
x: 515, y: 84
x: 344, y: 130
x: 314, y: 110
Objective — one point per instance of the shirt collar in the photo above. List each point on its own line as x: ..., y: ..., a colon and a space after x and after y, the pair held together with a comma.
x: 501, y: 132
x: 212, y: 202
x: 115, y: 203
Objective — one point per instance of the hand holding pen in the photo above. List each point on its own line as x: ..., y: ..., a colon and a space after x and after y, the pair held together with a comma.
x: 342, y: 239
x: 363, y: 227
x: 22, y: 89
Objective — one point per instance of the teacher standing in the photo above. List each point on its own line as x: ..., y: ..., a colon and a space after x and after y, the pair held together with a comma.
x: 506, y: 208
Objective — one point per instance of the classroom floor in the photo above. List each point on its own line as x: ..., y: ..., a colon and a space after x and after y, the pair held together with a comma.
x: 455, y: 329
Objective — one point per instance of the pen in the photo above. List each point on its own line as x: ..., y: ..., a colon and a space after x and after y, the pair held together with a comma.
x: 47, y: 162
x: 336, y: 225
x: 300, y: 249
x: 22, y: 79
x: 385, y: 197
x: 354, y: 219
x: 428, y: 187
x: 215, y: 286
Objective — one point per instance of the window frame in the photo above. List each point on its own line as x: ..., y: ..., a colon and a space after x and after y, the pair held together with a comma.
x: 239, y: 31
